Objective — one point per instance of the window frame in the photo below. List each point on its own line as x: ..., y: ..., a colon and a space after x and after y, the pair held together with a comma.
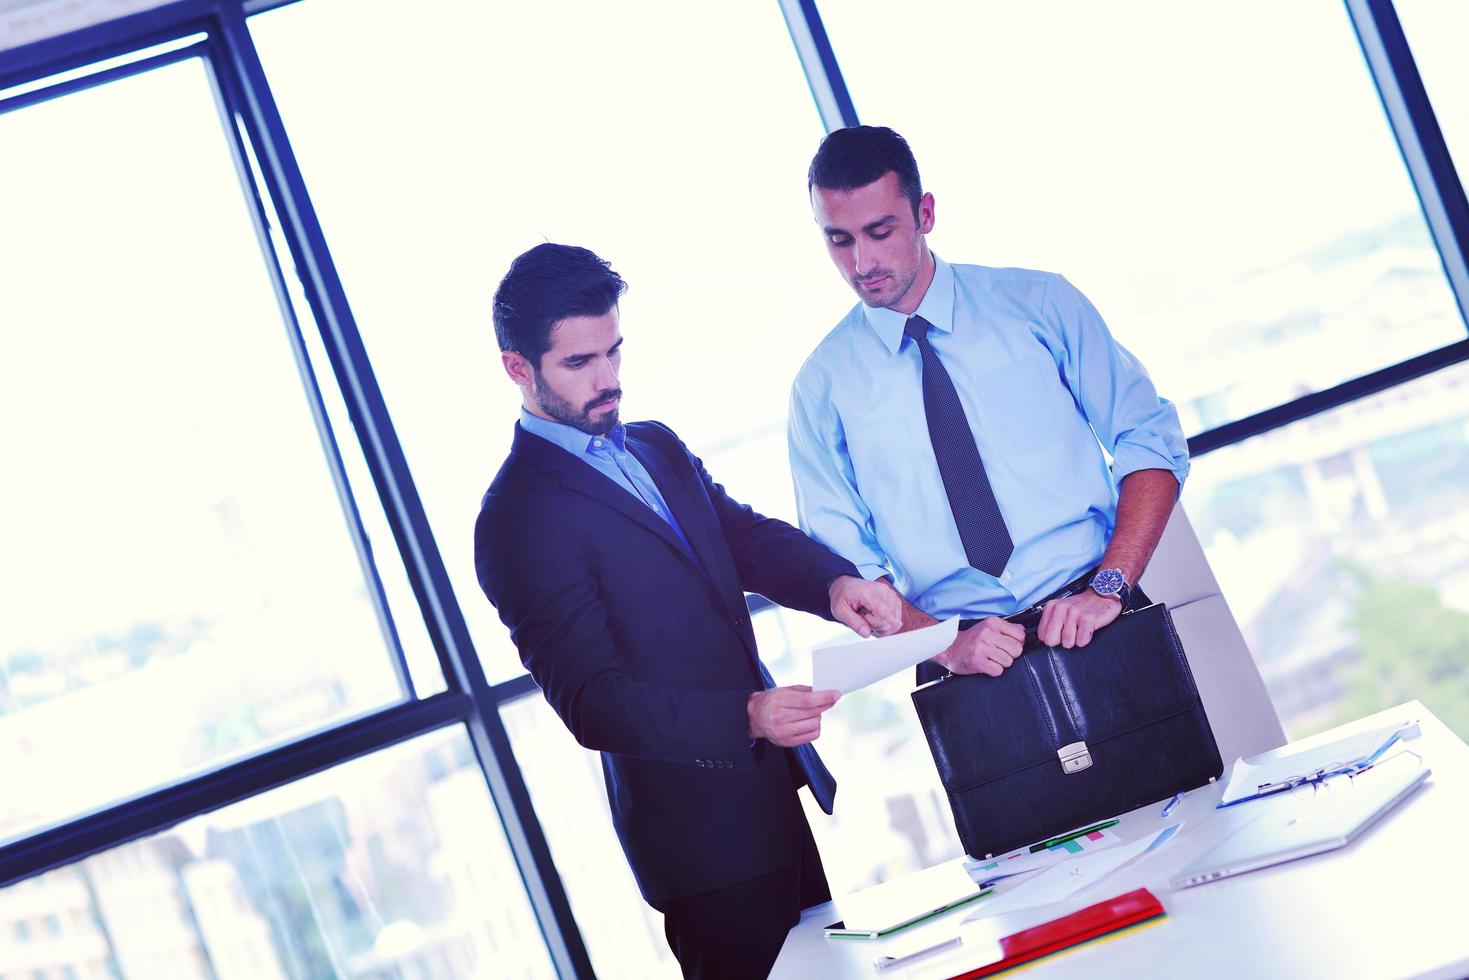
x: 252, y: 121
x: 254, y: 129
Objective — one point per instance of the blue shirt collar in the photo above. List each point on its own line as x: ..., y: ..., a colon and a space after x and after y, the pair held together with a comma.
x: 569, y: 437
x: 937, y: 308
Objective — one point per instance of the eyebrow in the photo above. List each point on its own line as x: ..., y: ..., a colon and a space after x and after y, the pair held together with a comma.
x: 582, y: 356
x: 871, y: 226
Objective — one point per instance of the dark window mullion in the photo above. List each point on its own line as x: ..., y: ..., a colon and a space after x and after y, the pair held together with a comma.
x: 1421, y: 141
x: 227, y: 99
x: 110, y: 39
x: 161, y: 809
x: 405, y: 513
x: 1321, y: 401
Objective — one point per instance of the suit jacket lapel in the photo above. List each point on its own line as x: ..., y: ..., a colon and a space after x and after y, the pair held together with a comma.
x: 577, y: 475
x: 692, y: 519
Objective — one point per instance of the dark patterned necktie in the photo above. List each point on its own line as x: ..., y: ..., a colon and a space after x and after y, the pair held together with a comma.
x: 981, y: 526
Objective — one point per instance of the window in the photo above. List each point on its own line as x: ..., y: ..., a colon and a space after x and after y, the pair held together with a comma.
x: 1226, y: 189
x: 892, y: 816
x: 179, y: 570
x: 623, y: 934
x: 1342, y: 544
x: 1438, y: 33
x: 360, y: 871
x: 680, y: 163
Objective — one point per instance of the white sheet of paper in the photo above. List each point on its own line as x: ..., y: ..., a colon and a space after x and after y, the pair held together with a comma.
x: 846, y: 666
x: 1063, y: 880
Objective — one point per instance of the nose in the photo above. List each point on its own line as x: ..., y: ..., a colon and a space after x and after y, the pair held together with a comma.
x: 862, y: 263
x: 607, y: 376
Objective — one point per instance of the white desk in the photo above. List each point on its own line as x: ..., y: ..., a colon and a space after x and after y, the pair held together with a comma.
x: 1395, y: 903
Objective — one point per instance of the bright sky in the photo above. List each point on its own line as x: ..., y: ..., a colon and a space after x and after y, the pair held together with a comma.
x: 1184, y: 166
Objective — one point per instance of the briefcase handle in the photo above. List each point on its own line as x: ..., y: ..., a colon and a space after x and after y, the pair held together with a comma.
x: 1030, y: 617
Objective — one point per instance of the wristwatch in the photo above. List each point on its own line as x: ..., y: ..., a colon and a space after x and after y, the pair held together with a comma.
x: 1110, y: 582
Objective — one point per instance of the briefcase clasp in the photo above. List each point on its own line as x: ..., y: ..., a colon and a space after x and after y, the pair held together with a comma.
x: 1074, y: 757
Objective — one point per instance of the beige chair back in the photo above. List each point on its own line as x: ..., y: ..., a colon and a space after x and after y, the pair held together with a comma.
x: 1234, y: 695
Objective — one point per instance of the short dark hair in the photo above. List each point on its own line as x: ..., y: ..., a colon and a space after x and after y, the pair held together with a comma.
x: 856, y: 156
x: 544, y: 286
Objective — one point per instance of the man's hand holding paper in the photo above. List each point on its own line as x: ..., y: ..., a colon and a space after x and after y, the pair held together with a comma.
x: 788, y: 716
x: 845, y: 666
x: 867, y: 608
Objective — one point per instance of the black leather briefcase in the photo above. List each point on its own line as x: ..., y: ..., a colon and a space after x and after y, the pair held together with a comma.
x: 1069, y: 737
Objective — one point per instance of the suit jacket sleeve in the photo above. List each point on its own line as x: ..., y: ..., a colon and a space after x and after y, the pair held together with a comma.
x: 543, y: 586
x: 772, y: 557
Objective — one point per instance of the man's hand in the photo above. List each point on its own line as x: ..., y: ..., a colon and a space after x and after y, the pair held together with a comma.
x: 987, y: 647
x: 1070, y: 622
x: 869, y: 608
x: 788, y: 716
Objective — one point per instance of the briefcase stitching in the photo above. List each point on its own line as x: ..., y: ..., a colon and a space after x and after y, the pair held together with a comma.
x: 1040, y: 698
x: 924, y: 719
x: 1179, y: 655
x: 1061, y: 686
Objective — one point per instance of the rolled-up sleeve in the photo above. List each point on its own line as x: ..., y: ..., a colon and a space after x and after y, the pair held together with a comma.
x: 1140, y: 429
x: 827, y: 502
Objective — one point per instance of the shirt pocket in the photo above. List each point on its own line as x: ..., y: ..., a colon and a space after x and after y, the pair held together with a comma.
x: 1022, y: 406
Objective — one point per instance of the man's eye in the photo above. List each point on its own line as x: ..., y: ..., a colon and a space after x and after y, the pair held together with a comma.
x: 841, y: 241
x: 880, y: 235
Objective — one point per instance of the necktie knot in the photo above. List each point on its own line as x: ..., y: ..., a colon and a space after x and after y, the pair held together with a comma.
x: 916, y: 327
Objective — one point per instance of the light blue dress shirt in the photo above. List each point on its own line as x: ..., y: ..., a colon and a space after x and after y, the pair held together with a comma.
x: 608, y: 455
x: 1041, y: 381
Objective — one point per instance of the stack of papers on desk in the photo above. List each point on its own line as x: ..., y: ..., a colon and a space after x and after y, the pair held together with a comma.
x: 893, y: 905
x: 1253, y: 778
x: 1065, y: 879
x: 1021, y: 860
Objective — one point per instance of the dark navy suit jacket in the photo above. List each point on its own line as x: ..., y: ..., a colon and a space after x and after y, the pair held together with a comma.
x: 647, y: 653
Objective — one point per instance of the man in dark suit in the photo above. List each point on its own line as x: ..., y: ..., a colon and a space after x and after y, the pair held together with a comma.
x: 620, y: 568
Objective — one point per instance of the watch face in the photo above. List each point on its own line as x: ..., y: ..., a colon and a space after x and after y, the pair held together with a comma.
x: 1108, y: 581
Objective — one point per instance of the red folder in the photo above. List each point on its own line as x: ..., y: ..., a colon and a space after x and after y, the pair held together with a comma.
x: 1093, y: 922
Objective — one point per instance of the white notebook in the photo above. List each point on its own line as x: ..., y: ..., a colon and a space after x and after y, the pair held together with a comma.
x: 1332, y: 816
x: 1258, y: 776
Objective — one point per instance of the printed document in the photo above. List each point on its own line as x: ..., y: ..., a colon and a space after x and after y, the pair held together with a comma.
x: 1063, y: 880
x: 847, y: 666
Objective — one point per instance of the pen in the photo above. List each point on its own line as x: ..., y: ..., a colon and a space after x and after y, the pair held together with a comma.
x: 1168, y: 807
x: 1037, y: 848
x: 885, y: 963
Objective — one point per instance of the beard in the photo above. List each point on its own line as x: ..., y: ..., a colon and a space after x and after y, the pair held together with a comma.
x: 562, y: 410
x: 895, y: 289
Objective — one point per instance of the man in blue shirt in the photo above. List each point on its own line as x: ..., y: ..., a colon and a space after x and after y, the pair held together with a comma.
x: 621, y: 569
x: 945, y: 435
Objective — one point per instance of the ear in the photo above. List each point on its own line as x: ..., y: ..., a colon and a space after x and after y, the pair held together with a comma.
x: 518, y: 368
x: 925, y: 214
